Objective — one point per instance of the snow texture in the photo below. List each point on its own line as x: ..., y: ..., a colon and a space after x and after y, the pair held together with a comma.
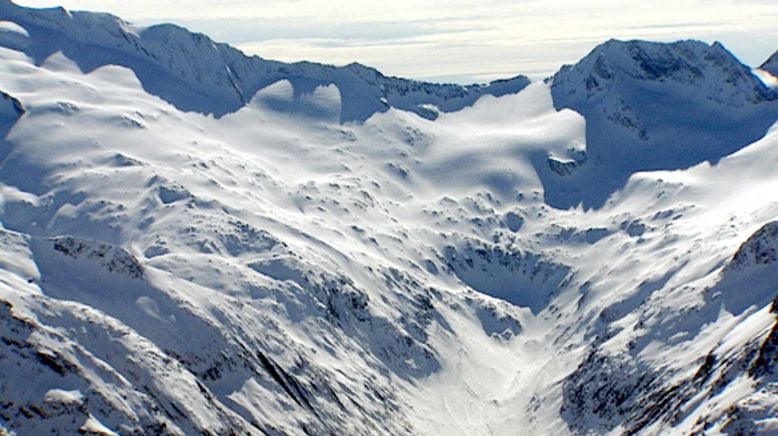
x: 193, y: 241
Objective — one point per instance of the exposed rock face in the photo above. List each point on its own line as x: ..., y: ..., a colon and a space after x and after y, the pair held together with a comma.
x: 113, y: 259
x: 760, y: 249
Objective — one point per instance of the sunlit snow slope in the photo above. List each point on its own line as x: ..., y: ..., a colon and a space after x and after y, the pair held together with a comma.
x: 196, y: 242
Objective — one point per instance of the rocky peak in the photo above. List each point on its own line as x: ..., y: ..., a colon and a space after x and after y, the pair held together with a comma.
x: 651, y: 106
x: 760, y: 249
x: 709, y: 71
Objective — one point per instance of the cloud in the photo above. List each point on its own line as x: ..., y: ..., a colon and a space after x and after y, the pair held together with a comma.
x: 238, y: 31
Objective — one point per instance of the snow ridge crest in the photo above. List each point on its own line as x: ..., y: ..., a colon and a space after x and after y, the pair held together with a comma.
x: 216, y: 78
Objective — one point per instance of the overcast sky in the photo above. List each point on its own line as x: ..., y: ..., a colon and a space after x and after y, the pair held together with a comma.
x: 453, y: 40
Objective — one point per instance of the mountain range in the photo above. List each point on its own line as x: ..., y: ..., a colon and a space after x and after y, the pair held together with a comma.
x: 196, y: 241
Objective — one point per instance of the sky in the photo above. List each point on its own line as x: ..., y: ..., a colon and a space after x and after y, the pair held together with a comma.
x: 459, y: 41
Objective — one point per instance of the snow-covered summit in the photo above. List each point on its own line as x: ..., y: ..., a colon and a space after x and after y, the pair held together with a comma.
x: 194, y: 73
x: 651, y: 106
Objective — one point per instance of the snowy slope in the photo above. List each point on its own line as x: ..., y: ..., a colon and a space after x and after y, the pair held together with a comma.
x: 276, y: 270
x: 652, y: 106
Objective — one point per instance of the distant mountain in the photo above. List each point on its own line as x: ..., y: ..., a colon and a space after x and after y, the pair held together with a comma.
x: 193, y: 241
x: 652, y: 106
x: 771, y: 64
x: 194, y: 73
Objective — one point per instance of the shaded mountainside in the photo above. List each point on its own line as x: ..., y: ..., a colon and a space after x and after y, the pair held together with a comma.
x: 341, y: 252
x: 652, y: 106
x: 771, y: 64
x: 194, y: 73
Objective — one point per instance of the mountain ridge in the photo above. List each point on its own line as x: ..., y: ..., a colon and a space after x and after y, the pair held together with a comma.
x: 276, y: 270
x: 771, y: 64
x: 207, y: 67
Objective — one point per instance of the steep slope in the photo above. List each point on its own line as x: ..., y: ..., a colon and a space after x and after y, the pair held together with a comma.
x: 194, y: 73
x: 279, y: 322
x: 10, y: 111
x: 276, y: 271
x: 651, y: 106
x: 771, y: 64
x: 683, y: 350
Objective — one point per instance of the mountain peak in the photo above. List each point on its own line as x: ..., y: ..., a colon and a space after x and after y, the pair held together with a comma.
x: 699, y: 67
x: 771, y: 64
x: 651, y: 106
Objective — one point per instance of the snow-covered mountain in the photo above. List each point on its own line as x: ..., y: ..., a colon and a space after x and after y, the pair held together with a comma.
x: 652, y: 106
x: 771, y: 64
x: 194, y: 73
x: 199, y: 242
